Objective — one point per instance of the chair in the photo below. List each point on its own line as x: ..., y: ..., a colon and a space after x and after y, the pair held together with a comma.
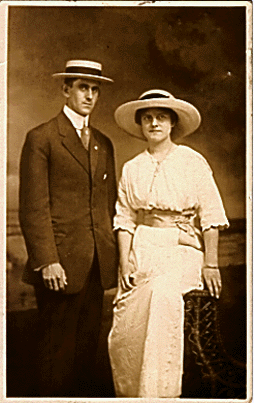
x: 221, y: 376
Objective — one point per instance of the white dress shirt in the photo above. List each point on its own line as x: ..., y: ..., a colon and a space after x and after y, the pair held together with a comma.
x: 78, y: 121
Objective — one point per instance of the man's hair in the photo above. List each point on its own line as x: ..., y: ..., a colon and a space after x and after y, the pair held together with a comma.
x: 173, y: 115
x: 70, y: 80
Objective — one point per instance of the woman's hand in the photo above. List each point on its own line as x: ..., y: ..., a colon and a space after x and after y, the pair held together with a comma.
x: 211, y: 272
x: 127, y: 279
x: 126, y: 267
x: 213, y: 280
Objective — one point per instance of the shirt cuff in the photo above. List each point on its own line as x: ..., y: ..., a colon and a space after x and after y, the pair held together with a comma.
x: 45, y: 265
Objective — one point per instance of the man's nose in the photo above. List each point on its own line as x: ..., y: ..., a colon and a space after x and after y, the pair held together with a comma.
x: 89, y: 94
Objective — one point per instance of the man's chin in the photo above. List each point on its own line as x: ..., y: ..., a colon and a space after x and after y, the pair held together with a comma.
x: 84, y: 112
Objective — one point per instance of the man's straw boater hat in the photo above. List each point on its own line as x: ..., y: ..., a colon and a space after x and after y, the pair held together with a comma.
x: 84, y: 69
x: 188, y: 117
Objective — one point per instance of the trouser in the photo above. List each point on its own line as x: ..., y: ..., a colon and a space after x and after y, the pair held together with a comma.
x: 68, y: 338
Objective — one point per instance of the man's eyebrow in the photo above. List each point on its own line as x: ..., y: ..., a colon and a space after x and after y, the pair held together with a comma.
x: 93, y: 87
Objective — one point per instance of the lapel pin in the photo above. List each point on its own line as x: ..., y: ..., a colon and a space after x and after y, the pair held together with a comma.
x: 96, y: 148
x: 104, y: 176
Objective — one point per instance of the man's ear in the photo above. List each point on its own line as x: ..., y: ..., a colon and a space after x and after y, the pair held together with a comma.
x: 66, y: 90
x: 99, y: 90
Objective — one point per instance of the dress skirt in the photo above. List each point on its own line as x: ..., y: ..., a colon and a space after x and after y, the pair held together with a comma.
x: 147, y: 336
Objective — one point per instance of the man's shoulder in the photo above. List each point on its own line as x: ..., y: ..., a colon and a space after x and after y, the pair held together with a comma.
x: 44, y: 132
x: 102, y: 137
x: 45, y: 125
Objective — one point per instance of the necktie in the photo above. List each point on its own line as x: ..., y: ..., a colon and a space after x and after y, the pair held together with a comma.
x: 85, y: 137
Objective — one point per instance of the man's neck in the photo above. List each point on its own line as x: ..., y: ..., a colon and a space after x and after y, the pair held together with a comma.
x: 76, y: 119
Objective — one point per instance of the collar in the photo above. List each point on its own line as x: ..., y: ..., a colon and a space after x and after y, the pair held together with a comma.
x: 77, y: 120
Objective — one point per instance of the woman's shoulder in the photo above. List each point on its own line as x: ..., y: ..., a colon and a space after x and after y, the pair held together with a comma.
x: 192, y: 156
x: 136, y: 160
x: 132, y: 166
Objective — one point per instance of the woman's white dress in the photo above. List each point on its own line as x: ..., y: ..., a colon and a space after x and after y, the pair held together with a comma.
x: 146, y: 339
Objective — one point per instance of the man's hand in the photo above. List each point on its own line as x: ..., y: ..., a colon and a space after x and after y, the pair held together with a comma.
x: 213, y: 281
x: 54, y: 277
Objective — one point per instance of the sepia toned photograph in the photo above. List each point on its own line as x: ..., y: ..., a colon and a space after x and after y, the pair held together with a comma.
x: 128, y: 145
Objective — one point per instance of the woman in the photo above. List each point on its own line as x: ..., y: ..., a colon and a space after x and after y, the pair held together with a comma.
x: 168, y: 215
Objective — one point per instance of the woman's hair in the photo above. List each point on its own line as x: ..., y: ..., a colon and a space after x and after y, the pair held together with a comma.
x: 173, y: 115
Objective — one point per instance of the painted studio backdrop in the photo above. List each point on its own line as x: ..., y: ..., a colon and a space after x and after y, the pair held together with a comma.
x: 196, y: 53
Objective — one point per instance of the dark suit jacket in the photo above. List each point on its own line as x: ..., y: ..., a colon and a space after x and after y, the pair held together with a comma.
x: 65, y: 212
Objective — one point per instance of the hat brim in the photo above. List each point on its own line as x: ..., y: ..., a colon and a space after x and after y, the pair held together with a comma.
x: 81, y: 75
x: 189, y: 117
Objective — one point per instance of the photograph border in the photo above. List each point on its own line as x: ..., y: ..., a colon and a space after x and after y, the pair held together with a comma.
x: 4, y: 8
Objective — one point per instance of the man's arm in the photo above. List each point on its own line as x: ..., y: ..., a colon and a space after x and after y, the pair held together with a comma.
x: 112, y: 188
x: 35, y: 218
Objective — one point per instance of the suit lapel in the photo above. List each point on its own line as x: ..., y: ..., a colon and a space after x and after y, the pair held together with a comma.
x: 72, y: 142
x: 97, y: 153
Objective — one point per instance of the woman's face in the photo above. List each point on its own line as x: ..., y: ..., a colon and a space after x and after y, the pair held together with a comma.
x: 156, y: 124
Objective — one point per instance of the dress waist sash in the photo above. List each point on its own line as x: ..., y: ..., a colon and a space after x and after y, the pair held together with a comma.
x: 189, y: 235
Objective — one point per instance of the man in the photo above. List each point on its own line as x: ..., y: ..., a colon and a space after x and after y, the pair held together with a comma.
x: 67, y: 199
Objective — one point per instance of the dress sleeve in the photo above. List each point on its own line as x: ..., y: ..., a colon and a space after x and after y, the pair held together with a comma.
x: 211, y: 210
x: 126, y: 216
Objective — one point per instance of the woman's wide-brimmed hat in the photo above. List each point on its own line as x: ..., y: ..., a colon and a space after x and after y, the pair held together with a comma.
x: 188, y: 120
x: 84, y: 69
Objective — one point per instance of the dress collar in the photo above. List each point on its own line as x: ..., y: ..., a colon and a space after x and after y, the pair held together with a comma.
x: 170, y: 152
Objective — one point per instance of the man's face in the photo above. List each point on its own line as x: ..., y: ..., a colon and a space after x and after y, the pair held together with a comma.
x: 82, y: 96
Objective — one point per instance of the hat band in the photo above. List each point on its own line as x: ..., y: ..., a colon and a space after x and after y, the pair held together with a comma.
x: 152, y: 96
x: 83, y: 70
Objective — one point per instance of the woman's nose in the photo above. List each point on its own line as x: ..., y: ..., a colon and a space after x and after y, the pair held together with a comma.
x: 154, y: 122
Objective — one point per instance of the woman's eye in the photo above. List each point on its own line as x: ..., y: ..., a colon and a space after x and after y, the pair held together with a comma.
x: 145, y: 118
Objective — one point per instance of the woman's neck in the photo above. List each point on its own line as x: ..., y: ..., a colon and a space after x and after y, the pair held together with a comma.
x: 160, y: 150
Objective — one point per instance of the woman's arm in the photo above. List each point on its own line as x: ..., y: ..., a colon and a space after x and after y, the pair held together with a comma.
x: 211, y: 272
x: 124, y: 242
x: 212, y: 218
